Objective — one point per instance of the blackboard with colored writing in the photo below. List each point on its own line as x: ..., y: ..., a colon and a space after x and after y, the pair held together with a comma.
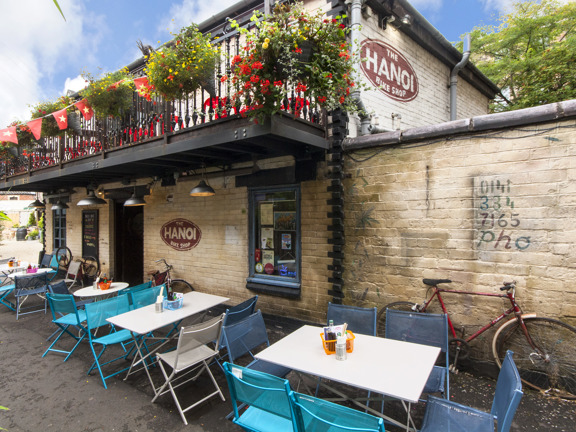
x: 90, y: 233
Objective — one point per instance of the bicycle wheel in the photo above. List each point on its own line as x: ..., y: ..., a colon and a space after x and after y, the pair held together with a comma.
x: 90, y: 266
x: 551, y: 366
x: 181, y: 286
x: 381, y: 320
x: 63, y: 257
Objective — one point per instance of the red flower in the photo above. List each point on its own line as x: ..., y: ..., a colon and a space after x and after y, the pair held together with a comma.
x: 322, y: 99
x: 224, y: 79
x: 342, y: 99
x: 257, y: 65
x: 236, y: 59
x: 342, y: 26
x: 300, y: 88
x: 298, y: 50
x: 254, y: 78
x: 278, y: 83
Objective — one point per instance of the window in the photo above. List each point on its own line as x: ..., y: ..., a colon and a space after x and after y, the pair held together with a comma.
x: 59, y: 224
x: 275, y: 241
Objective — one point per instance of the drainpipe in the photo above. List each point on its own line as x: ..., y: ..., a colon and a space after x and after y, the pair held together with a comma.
x: 454, y: 77
x: 355, y: 20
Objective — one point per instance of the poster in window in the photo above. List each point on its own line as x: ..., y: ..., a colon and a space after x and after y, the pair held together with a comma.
x: 268, y: 261
x: 285, y: 221
x: 267, y: 238
x: 286, y: 241
x: 267, y: 214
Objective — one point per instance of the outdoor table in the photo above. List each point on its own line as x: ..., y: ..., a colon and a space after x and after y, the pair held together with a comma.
x: 6, y: 270
x: 91, y: 292
x: 143, y: 321
x: 385, y: 366
x: 25, y: 273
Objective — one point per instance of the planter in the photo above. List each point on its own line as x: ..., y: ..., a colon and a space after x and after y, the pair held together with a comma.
x: 21, y: 234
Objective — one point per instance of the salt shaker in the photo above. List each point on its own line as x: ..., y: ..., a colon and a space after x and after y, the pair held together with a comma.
x: 341, y: 348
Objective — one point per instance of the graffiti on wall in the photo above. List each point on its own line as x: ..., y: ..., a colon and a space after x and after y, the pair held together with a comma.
x: 498, y: 223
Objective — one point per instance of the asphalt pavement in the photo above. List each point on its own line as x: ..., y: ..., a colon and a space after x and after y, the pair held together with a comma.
x: 47, y: 394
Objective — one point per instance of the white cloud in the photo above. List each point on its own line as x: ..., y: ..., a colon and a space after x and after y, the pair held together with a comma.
x: 192, y: 11
x: 74, y: 84
x: 35, y: 44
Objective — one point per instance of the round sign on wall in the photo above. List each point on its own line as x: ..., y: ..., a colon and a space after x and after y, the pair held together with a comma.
x: 181, y: 234
x: 388, y: 70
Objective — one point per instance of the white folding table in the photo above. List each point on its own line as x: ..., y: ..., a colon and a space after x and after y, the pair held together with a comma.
x: 384, y: 366
x: 91, y: 292
x: 145, y: 320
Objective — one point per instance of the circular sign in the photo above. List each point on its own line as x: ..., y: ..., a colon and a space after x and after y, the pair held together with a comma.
x: 181, y: 234
x: 388, y: 70
x: 269, y: 268
x: 259, y: 268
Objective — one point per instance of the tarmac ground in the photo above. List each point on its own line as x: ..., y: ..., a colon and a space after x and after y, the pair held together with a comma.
x: 47, y: 394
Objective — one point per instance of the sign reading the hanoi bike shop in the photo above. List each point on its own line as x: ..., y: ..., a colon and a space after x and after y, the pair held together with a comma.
x: 181, y: 234
x: 388, y: 70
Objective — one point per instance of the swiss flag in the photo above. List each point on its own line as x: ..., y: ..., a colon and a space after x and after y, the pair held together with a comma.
x: 9, y: 134
x: 36, y: 127
x: 85, y: 109
x: 61, y: 118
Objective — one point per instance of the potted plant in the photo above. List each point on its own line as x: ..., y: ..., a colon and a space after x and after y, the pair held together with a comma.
x: 32, y: 235
x: 111, y: 95
x: 184, y: 65
x: 291, y: 58
x: 49, y: 125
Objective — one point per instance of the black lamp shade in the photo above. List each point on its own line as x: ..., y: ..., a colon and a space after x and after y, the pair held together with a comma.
x: 202, y: 189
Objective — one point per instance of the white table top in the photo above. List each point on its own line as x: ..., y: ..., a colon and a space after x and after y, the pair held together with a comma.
x: 38, y: 271
x: 145, y: 319
x: 4, y: 268
x: 91, y: 292
x: 386, y: 366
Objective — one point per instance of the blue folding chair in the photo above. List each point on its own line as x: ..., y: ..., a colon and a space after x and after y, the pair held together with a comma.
x: 96, y: 315
x: 45, y: 263
x: 61, y: 288
x: 425, y: 329
x: 266, y: 396
x: 360, y: 320
x: 244, y: 337
x: 65, y: 314
x: 236, y: 314
x: 5, y: 291
x: 135, y: 288
x: 311, y: 414
x: 446, y: 415
x: 26, y: 286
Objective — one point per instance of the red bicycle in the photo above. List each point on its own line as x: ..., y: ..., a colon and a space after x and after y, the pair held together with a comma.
x: 544, y: 348
x: 159, y: 277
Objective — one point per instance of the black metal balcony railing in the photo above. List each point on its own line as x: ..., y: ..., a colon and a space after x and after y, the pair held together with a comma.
x: 148, y: 120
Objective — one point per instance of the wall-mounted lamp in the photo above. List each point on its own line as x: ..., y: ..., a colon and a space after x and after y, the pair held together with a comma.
x: 91, y: 199
x: 134, y: 201
x: 203, y: 189
x: 406, y: 20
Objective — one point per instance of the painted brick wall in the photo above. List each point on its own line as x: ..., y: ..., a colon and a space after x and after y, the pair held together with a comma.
x: 479, y: 210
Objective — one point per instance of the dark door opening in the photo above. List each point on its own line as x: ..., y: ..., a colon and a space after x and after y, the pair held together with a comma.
x: 129, y: 251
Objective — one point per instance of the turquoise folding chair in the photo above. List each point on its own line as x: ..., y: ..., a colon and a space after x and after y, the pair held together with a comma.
x: 5, y: 291
x: 311, y: 414
x: 145, y: 296
x: 45, y: 263
x: 96, y: 315
x: 65, y: 314
x: 446, y: 415
x: 266, y: 396
x: 135, y: 288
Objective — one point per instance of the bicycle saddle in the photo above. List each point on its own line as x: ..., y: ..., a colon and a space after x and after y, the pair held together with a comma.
x: 432, y: 282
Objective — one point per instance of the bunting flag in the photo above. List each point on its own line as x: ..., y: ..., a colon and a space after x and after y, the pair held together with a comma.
x: 35, y: 127
x: 9, y: 134
x: 141, y: 82
x: 61, y: 118
x: 85, y: 109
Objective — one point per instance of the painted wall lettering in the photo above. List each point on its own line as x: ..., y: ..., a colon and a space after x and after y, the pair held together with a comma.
x: 388, y: 70
x: 181, y: 234
x: 498, y: 223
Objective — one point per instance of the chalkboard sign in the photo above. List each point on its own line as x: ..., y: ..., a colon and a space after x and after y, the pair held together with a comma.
x: 90, y: 233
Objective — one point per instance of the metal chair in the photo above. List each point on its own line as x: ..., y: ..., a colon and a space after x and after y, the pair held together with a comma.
x: 61, y: 288
x: 4, y: 279
x: 193, y: 353
x: 266, y: 396
x: 74, y: 274
x: 311, y: 414
x: 144, y: 294
x: 27, y: 285
x: 244, y: 337
x: 45, y: 263
x: 65, y: 314
x: 426, y: 329
x: 236, y: 314
x: 446, y: 415
x: 360, y: 320
x: 96, y: 315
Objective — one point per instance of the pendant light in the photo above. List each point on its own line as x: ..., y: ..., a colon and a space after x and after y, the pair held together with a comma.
x: 59, y: 205
x: 91, y: 199
x: 37, y: 204
x: 203, y: 189
x: 134, y: 201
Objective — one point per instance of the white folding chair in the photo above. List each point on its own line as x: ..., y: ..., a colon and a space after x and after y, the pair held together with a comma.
x: 74, y: 274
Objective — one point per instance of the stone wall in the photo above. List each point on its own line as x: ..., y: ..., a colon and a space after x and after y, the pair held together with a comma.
x: 479, y: 209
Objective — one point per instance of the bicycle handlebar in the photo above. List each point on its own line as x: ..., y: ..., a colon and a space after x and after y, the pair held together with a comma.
x: 508, y: 286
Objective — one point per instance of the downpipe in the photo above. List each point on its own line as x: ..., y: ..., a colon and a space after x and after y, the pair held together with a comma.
x: 355, y: 20
x: 454, y: 78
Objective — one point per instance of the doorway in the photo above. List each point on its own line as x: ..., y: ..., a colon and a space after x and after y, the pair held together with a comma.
x: 129, y: 241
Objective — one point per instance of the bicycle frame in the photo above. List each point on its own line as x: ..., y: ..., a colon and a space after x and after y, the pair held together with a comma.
x: 514, y: 309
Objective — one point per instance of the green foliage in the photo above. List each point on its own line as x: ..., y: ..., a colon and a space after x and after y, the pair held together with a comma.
x: 530, y: 55
x: 111, y: 94
x: 43, y: 109
x: 4, y: 216
x: 41, y: 222
x: 32, y: 220
x: 182, y: 67
x: 33, y: 234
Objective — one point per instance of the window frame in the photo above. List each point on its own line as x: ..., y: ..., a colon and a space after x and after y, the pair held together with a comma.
x: 58, y: 224
x: 273, y: 284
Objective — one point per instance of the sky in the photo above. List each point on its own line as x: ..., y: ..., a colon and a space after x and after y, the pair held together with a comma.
x: 42, y: 56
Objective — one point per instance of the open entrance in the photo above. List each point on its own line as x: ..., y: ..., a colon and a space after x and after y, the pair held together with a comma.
x: 129, y: 241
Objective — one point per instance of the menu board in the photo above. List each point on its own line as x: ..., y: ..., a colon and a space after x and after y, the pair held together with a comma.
x: 90, y: 233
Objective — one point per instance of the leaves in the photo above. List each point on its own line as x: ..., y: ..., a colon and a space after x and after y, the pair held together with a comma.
x: 530, y: 54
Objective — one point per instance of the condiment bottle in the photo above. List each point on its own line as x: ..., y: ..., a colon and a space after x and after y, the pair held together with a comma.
x: 341, y: 348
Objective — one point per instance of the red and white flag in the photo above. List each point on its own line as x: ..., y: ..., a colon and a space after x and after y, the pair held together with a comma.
x: 85, y: 109
x: 35, y: 127
x: 141, y: 82
x: 61, y: 118
x: 9, y: 134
